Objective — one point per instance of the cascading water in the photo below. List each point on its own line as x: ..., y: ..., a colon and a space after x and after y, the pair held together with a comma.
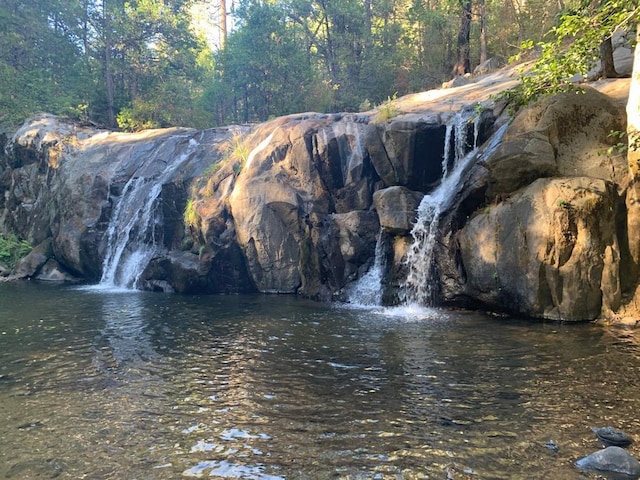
x: 459, y: 153
x: 367, y: 290
x: 349, y: 134
x: 134, y: 234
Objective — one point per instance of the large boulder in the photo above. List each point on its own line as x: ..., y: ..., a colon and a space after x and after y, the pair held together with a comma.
x: 30, y: 265
x: 64, y: 182
x: 53, y: 272
x: 538, y: 226
x: 357, y: 233
x: 520, y: 161
x: 550, y: 251
x: 300, y: 170
x: 408, y: 152
x: 563, y: 135
x: 489, y: 65
x: 396, y: 207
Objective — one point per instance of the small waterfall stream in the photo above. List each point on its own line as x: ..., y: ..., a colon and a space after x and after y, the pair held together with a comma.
x: 134, y: 234
x: 420, y: 287
x: 367, y: 290
x: 459, y: 151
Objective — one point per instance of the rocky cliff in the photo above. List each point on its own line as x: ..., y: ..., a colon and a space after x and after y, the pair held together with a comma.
x: 297, y: 205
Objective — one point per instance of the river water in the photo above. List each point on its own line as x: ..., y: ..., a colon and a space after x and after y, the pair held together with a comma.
x: 138, y: 385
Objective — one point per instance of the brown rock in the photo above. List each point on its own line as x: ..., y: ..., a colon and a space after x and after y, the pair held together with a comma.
x: 550, y: 251
x: 396, y: 207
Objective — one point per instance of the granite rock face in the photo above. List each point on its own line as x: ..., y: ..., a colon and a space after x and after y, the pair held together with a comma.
x: 550, y: 251
x: 539, y: 228
x: 297, y: 204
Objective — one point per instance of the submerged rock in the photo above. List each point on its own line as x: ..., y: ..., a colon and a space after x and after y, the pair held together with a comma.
x: 552, y: 446
x: 53, y: 272
x: 611, y: 459
x: 612, y: 437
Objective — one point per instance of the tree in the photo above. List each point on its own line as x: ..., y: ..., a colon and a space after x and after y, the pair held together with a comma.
x: 40, y: 58
x: 584, y: 29
x: 483, y: 30
x: 159, y: 63
x: 223, y: 23
x: 633, y: 159
x: 463, y: 63
x: 607, y: 67
x: 264, y: 69
x: 108, y: 72
x: 142, y: 63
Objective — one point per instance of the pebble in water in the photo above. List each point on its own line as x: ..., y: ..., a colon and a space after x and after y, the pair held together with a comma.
x: 553, y: 446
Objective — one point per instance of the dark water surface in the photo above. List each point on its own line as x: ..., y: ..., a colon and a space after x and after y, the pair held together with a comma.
x: 137, y: 385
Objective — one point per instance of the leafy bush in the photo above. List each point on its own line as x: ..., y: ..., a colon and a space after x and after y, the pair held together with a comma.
x: 572, y: 48
x: 387, y: 110
x: 236, y: 149
x: 13, y: 249
x: 191, y: 218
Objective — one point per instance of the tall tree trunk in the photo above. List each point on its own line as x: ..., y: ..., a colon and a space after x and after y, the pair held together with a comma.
x: 332, y: 64
x: 463, y: 65
x: 108, y: 74
x: 607, y: 67
x: 85, y: 31
x: 223, y: 23
x: 483, y: 31
x: 633, y: 159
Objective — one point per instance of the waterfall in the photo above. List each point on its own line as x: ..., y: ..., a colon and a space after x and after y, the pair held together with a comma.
x: 134, y: 234
x: 459, y: 152
x: 367, y: 290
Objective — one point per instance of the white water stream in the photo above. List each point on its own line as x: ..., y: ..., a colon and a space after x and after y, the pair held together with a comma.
x: 367, y: 290
x: 134, y: 233
x: 419, y: 287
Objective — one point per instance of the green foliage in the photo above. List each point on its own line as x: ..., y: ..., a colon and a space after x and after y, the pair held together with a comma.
x: 236, y: 148
x: 235, y: 153
x: 13, y: 249
x: 365, y: 105
x: 39, y: 59
x: 213, y: 168
x: 387, y: 110
x: 132, y: 119
x: 140, y: 63
x: 58, y: 54
x: 572, y: 49
x: 622, y: 144
x: 191, y: 218
x: 263, y: 71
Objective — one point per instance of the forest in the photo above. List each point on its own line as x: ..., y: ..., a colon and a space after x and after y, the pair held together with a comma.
x: 201, y: 63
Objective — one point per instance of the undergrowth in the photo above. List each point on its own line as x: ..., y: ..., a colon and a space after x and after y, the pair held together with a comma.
x: 12, y: 249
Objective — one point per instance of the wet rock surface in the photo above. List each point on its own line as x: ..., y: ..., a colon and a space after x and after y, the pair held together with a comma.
x: 611, y: 459
x: 295, y: 205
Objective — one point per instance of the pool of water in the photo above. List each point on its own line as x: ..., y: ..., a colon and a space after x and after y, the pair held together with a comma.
x: 137, y: 385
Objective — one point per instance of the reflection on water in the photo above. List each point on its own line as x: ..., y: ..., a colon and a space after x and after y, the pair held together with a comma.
x: 128, y: 385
